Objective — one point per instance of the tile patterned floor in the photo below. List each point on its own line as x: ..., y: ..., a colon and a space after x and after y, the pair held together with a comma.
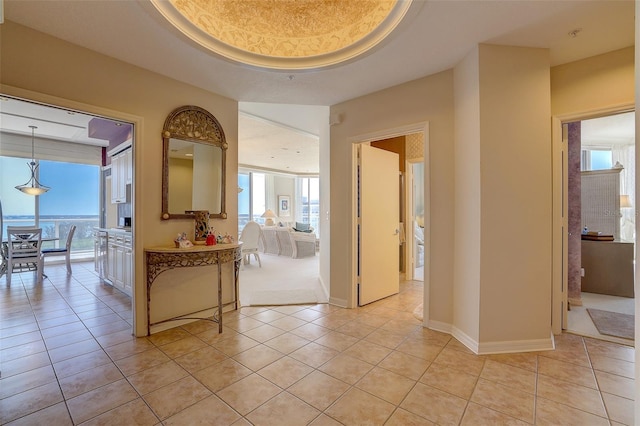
x: 67, y: 357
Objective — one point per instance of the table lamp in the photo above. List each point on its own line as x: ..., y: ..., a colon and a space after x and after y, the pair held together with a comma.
x: 269, y: 215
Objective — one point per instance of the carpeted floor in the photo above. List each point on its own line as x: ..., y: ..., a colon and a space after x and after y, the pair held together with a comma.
x: 281, y: 281
x: 613, y: 323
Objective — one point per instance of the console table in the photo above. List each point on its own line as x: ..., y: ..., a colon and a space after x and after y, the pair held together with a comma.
x: 161, y: 259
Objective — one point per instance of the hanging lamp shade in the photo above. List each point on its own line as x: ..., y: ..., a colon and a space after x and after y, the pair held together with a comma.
x: 33, y: 186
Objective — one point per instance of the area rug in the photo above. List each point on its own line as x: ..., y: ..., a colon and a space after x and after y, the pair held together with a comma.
x: 613, y: 323
x: 281, y: 280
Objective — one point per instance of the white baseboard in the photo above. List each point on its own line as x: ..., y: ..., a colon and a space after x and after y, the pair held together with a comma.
x: 517, y: 346
x: 486, y: 348
x: 324, y: 289
x: 438, y: 326
x: 466, y: 340
x: 574, y: 301
x: 338, y: 302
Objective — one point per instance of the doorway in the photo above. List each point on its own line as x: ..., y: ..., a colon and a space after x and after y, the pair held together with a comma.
x: 598, y: 181
x: 417, y: 151
x: 604, y: 305
x: 71, y: 143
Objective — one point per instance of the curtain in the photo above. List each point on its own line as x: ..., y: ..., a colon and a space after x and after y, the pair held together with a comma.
x: 625, y: 155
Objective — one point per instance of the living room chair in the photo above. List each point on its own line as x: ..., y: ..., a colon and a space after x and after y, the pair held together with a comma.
x: 66, y: 250
x: 24, y: 251
x: 250, y: 236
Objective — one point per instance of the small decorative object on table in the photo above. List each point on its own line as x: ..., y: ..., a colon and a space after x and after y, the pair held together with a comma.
x: 225, y: 239
x: 182, y: 241
x: 201, y: 218
x: 211, y: 237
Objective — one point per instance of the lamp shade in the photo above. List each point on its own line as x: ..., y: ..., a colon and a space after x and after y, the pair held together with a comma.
x: 269, y: 215
x: 32, y: 186
x: 625, y: 201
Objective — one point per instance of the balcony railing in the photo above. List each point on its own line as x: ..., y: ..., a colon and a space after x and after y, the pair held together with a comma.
x: 82, y: 246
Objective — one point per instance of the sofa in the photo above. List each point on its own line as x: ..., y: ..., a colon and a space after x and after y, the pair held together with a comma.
x: 286, y: 241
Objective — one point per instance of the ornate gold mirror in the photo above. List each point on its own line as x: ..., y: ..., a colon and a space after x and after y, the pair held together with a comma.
x: 193, y: 164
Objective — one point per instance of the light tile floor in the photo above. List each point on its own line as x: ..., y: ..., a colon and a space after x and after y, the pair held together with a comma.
x: 67, y: 357
x: 580, y: 322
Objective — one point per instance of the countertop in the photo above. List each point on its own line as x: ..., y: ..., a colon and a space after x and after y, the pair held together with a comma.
x: 114, y: 230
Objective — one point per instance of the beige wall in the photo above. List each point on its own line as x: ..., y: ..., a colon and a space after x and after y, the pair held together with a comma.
x: 595, y: 83
x: 466, y: 274
x: 427, y: 99
x: 515, y: 174
x: 503, y: 199
x: 35, y: 62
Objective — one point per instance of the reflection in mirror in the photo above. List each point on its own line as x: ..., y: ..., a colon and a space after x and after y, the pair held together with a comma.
x: 194, y: 160
x: 190, y: 165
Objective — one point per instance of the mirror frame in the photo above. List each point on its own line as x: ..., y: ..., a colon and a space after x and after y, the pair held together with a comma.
x: 194, y: 124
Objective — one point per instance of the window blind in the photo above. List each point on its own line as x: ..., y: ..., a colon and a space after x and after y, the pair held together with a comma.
x: 12, y: 145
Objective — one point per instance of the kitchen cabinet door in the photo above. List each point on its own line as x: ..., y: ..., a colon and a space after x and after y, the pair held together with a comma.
x: 128, y: 162
x: 119, y: 268
x: 111, y: 257
x: 121, y: 174
x: 128, y: 271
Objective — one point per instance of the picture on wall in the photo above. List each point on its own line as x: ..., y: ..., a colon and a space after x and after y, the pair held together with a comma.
x: 284, y: 206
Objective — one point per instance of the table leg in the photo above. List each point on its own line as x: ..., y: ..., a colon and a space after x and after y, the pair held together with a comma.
x: 219, y: 297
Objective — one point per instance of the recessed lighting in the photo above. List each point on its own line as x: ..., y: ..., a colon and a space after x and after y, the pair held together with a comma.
x: 188, y: 155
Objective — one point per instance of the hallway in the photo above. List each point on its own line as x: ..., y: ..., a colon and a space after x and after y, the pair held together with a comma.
x: 67, y: 357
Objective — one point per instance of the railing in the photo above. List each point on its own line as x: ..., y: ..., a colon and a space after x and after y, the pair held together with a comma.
x: 82, y: 245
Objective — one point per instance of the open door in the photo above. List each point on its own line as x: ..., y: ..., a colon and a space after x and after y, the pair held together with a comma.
x: 378, y: 214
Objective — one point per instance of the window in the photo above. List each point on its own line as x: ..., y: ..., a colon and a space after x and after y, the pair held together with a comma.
x: 252, y: 198
x: 308, y: 202
x: 596, y: 159
x: 74, y: 199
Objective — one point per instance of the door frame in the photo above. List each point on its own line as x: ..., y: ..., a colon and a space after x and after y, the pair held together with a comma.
x: 420, y: 127
x: 559, y: 292
x: 138, y: 298
x: 410, y: 258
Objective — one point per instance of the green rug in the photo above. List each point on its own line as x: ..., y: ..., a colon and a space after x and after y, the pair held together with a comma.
x: 613, y: 323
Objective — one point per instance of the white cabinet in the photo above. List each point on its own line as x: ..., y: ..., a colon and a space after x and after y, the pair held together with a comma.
x: 121, y: 175
x: 120, y: 261
x: 128, y: 155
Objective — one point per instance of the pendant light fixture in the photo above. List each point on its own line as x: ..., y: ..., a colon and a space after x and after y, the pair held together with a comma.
x: 32, y: 186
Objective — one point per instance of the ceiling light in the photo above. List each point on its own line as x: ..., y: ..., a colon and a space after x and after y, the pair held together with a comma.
x: 32, y: 186
x: 286, y: 34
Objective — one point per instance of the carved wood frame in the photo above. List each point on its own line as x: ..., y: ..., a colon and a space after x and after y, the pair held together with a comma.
x: 194, y: 124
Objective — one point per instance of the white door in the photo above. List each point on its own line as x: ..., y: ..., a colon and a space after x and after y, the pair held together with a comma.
x: 378, y: 248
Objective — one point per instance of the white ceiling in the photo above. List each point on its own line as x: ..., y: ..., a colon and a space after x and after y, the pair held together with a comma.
x: 610, y: 131
x: 434, y: 36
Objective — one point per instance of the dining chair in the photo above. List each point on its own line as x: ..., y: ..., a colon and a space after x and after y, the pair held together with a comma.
x: 249, y: 237
x: 66, y: 250
x: 24, y: 251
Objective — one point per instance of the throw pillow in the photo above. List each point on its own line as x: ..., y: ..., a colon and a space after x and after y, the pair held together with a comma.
x: 302, y: 227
